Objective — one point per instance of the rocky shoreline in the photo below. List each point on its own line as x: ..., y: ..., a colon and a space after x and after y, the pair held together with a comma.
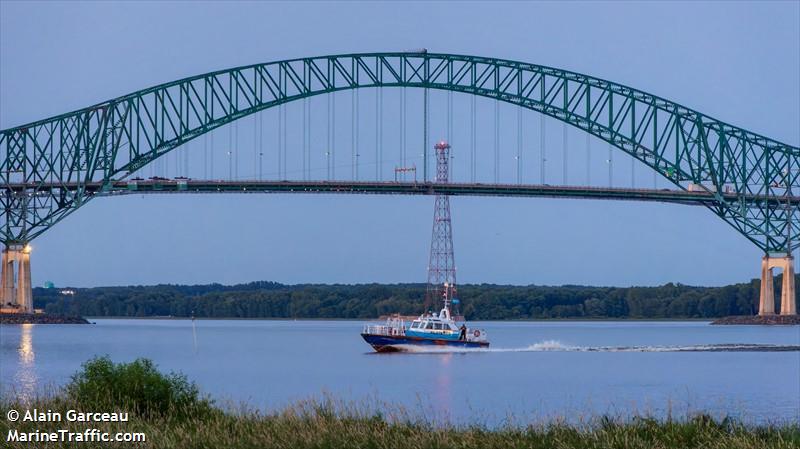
x: 40, y: 318
x: 762, y: 320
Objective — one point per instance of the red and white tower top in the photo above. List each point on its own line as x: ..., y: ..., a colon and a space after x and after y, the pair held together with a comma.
x: 442, y: 145
x: 442, y: 161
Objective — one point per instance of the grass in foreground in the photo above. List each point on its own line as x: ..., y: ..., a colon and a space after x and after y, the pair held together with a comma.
x: 171, y: 413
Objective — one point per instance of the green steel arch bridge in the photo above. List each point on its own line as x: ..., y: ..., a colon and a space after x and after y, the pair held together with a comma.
x: 52, y: 167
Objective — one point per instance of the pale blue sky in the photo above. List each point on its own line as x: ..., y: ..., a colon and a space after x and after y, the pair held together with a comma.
x: 736, y: 61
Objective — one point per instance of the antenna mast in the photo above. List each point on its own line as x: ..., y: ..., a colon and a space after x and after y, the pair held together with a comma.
x: 441, y: 266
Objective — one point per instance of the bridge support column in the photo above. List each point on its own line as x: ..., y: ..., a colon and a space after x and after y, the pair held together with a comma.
x: 788, y: 299
x: 766, y: 303
x: 8, y: 295
x: 767, y: 300
x: 16, y: 278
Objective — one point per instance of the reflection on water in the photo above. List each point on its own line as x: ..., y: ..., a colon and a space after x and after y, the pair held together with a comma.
x: 25, y: 377
x: 443, y: 400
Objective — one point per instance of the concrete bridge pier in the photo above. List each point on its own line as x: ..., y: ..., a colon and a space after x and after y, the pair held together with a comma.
x: 15, y: 278
x: 767, y: 298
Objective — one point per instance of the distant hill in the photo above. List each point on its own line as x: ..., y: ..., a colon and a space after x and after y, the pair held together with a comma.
x: 480, y: 301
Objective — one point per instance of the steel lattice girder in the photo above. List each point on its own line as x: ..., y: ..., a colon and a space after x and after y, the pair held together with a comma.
x: 106, y: 142
x: 161, y: 186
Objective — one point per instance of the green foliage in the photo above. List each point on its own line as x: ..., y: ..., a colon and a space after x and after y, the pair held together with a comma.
x: 169, y: 412
x: 480, y: 301
x: 335, y: 424
x: 137, y: 387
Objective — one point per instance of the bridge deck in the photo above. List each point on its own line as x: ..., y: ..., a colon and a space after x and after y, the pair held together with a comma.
x: 164, y: 186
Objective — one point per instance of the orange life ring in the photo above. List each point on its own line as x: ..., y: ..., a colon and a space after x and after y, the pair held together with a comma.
x: 476, y: 333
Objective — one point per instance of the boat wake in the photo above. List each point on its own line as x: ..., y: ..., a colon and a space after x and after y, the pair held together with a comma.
x: 557, y: 346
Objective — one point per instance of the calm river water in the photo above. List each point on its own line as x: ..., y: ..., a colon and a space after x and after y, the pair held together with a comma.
x: 534, y: 370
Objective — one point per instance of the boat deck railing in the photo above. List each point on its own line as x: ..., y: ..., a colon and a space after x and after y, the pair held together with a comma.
x: 378, y: 329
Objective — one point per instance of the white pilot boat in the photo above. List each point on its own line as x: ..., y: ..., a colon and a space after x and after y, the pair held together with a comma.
x: 430, y: 329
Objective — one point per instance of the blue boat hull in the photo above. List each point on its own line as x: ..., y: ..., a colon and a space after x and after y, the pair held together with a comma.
x: 392, y: 343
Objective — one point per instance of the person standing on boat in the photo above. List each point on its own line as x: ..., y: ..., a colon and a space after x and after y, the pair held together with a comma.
x: 463, y: 335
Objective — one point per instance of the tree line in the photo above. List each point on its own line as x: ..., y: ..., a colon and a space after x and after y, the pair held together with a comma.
x: 479, y: 301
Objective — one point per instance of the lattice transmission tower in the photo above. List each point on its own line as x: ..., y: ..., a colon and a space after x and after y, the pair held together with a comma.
x: 441, y: 266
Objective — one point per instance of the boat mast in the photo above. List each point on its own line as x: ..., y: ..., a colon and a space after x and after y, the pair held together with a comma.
x: 446, y: 298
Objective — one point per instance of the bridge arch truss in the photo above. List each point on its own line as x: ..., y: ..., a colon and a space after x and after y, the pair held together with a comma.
x: 753, y: 178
